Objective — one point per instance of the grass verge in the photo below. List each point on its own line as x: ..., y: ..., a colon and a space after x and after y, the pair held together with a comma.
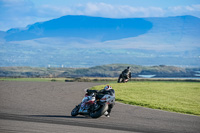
x: 174, y: 96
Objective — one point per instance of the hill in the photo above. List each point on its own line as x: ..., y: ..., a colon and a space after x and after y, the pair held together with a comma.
x: 112, y: 70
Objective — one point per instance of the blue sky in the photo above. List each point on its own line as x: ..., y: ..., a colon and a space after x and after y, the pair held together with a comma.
x: 20, y: 13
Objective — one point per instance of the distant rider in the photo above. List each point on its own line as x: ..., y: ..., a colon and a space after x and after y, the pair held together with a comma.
x: 126, y: 74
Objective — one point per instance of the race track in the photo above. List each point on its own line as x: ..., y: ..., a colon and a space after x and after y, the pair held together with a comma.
x: 38, y: 107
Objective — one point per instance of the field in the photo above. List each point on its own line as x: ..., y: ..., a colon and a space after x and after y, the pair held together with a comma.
x: 174, y: 96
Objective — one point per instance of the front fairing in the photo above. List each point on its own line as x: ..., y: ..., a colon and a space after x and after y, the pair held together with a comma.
x: 85, y: 104
x: 86, y: 98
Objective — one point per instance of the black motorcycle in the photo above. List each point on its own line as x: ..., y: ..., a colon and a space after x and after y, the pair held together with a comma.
x: 123, y: 78
x: 93, y: 104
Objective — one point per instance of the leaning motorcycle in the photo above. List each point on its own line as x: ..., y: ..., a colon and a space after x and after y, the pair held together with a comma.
x: 123, y: 79
x: 93, y: 104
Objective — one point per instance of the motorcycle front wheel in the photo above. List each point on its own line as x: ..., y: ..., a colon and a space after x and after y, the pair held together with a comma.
x: 120, y: 79
x: 75, y: 111
x: 99, y: 112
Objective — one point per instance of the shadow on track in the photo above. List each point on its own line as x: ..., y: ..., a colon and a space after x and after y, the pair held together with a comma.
x: 60, y: 116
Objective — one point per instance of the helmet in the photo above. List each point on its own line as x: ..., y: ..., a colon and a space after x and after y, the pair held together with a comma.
x: 107, y: 87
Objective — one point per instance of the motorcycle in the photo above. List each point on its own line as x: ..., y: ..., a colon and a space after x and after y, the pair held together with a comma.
x: 93, y: 104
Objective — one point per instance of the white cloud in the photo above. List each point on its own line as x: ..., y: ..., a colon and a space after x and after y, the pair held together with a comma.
x: 19, y: 13
x: 126, y: 11
x: 116, y: 11
x: 185, y: 10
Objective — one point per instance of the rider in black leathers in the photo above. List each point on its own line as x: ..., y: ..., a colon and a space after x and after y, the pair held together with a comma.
x: 126, y: 74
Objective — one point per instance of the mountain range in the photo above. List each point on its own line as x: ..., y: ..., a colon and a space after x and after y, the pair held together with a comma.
x: 85, y: 41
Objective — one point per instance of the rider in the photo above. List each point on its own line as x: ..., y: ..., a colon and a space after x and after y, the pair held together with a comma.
x: 108, y: 90
x: 126, y: 74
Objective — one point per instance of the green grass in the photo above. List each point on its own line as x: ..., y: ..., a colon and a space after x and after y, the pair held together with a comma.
x: 174, y: 96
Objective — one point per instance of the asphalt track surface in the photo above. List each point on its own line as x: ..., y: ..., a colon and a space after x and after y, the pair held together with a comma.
x: 45, y: 107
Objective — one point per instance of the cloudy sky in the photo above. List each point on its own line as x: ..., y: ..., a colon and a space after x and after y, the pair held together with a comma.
x: 20, y: 13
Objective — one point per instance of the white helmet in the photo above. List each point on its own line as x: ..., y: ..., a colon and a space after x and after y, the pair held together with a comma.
x: 107, y: 87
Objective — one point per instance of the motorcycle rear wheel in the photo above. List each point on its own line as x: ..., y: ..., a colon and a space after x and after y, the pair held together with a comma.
x: 99, y: 112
